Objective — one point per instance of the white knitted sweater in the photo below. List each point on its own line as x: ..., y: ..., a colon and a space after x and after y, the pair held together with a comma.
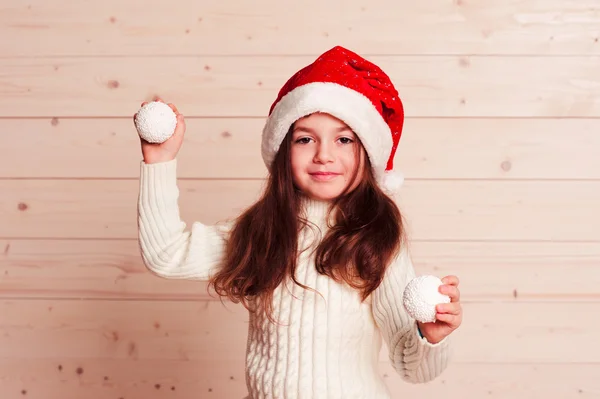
x: 327, y: 344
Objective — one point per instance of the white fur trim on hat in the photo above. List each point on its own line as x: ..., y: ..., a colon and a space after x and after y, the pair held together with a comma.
x: 348, y: 105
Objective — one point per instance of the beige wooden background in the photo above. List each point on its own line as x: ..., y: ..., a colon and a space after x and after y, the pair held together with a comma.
x: 501, y: 152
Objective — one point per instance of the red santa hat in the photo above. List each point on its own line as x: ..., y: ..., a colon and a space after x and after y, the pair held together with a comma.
x: 352, y: 89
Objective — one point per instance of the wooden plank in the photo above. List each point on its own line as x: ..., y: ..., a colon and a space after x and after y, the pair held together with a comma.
x: 452, y: 86
x: 434, y: 210
x: 212, y: 377
x: 194, y: 330
x: 209, y: 377
x: 112, y: 269
x: 270, y: 27
x: 229, y: 148
x: 513, y: 381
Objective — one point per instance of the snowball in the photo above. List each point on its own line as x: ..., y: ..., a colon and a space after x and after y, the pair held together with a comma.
x: 421, y: 295
x: 155, y: 122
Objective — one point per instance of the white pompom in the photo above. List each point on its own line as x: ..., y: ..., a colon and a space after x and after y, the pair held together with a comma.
x: 421, y: 296
x: 392, y: 181
x: 155, y: 122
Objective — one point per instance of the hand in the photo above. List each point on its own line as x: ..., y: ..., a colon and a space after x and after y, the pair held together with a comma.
x: 448, y: 316
x: 166, y: 151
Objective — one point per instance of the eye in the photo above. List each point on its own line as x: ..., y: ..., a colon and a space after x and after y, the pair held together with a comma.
x: 303, y: 140
x: 346, y: 140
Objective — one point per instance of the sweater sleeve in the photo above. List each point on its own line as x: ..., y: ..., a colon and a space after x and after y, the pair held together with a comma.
x: 167, y: 248
x: 411, y: 355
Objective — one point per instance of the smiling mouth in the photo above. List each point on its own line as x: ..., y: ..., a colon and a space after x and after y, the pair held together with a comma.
x: 323, y: 176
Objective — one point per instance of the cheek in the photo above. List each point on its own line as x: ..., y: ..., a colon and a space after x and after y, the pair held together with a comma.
x: 349, y: 160
x: 297, y: 161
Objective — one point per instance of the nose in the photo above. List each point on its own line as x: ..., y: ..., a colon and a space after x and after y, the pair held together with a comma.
x: 324, y: 154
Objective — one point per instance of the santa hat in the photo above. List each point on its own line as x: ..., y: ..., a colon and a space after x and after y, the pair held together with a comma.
x: 352, y: 89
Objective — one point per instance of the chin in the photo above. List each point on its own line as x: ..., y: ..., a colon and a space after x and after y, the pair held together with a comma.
x: 321, y: 197
x: 320, y: 191
x: 324, y: 194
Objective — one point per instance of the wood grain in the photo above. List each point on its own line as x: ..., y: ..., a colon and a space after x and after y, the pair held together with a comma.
x: 195, y: 330
x: 430, y: 86
x: 488, y: 271
x: 230, y: 148
x: 500, y: 152
x: 182, y: 379
x: 275, y: 28
x: 434, y: 210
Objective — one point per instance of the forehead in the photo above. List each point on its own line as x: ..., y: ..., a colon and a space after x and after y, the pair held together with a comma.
x: 320, y: 122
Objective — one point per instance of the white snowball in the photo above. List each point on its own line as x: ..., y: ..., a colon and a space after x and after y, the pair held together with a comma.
x: 421, y: 295
x: 155, y: 122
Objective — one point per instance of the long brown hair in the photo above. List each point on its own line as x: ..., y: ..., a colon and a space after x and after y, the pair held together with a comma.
x: 262, y: 248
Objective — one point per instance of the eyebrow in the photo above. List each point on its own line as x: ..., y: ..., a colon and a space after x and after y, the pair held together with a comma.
x: 309, y: 130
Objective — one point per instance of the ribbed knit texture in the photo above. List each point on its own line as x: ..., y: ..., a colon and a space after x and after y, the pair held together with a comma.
x: 327, y: 344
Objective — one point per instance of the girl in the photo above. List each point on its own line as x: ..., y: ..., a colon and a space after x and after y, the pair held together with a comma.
x: 320, y: 261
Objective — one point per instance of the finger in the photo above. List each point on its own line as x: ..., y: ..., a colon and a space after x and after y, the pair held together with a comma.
x: 450, y: 280
x: 180, y: 127
x: 450, y: 290
x: 449, y: 308
x: 157, y: 98
x: 144, y: 103
x: 174, y: 108
x: 446, y: 318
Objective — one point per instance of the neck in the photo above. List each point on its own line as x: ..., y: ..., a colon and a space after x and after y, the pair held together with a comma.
x: 315, y: 210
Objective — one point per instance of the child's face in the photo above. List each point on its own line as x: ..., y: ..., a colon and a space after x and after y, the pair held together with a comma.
x: 323, y: 156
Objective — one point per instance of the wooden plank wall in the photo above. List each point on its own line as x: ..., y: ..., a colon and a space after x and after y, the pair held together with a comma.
x: 501, y: 152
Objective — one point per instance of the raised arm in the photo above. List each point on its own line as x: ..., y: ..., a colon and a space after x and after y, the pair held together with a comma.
x: 167, y: 248
x: 411, y: 355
